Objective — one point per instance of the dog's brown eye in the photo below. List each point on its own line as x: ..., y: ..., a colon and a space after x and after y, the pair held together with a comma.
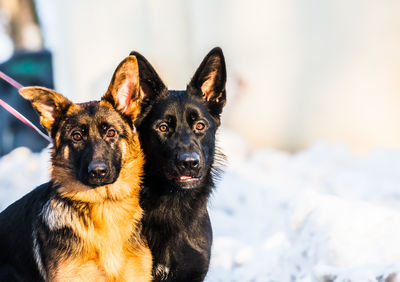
x: 76, y: 136
x: 111, y: 133
x: 163, y: 127
x: 200, y: 126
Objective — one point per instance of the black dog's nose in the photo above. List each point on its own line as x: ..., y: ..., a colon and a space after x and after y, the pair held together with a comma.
x: 188, y: 160
x: 97, y: 169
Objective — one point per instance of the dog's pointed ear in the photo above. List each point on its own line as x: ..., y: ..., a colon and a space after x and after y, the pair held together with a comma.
x: 123, y: 92
x: 209, y: 81
x: 49, y: 104
x: 151, y: 84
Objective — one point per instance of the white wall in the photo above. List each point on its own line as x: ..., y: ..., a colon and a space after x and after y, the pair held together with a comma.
x: 299, y: 71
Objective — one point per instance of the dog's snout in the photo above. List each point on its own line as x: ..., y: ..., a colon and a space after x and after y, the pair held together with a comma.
x: 97, y: 169
x: 188, y: 160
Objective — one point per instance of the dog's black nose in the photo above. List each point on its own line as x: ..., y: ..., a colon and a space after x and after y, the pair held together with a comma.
x: 97, y: 169
x: 188, y: 160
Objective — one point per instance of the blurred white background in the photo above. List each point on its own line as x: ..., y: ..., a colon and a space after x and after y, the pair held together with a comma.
x: 299, y: 71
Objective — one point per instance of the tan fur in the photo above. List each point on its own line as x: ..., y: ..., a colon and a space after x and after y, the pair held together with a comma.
x: 124, y: 81
x: 207, y: 86
x: 109, y: 254
x: 40, y: 98
x: 208, y: 90
x: 110, y: 225
x: 66, y: 153
x: 106, y: 220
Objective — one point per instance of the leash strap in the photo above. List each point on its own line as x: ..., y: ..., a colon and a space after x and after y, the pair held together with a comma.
x: 10, y: 80
x: 15, y: 113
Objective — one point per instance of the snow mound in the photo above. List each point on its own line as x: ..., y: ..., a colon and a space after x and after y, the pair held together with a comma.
x: 322, y: 214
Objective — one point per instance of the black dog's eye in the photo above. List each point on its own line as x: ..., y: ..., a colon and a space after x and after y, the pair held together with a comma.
x: 111, y: 133
x: 77, y: 136
x: 199, y: 126
x: 163, y: 127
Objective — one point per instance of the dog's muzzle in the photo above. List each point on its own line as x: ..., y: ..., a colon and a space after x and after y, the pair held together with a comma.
x: 188, y: 169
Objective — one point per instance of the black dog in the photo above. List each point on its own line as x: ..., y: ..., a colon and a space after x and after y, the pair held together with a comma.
x: 177, y: 133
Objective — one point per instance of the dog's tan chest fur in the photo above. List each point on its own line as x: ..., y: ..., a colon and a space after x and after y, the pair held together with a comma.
x: 113, y: 266
x: 107, y: 251
x: 92, y: 270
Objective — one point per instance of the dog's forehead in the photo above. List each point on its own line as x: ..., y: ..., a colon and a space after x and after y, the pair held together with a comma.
x: 179, y: 103
x: 94, y: 113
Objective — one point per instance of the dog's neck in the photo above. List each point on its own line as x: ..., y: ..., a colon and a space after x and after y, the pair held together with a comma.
x: 104, y: 229
x: 168, y: 204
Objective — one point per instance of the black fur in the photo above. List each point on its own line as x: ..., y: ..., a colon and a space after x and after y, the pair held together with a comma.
x: 16, y: 242
x: 179, y: 168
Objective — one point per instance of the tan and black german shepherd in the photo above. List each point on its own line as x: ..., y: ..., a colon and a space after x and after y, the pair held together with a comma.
x: 83, y: 225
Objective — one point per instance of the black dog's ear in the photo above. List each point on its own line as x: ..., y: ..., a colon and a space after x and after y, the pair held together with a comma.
x: 49, y: 104
x: 151, y: 84
x: 123, y: 92
x: 209, y: 81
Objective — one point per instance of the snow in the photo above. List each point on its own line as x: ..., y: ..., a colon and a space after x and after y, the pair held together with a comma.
x: 21, y: 171
x: 321, y: 214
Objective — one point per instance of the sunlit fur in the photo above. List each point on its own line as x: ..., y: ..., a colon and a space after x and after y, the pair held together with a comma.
x: 66, y: 230
x: 107, y: 220
x: 62, y: 170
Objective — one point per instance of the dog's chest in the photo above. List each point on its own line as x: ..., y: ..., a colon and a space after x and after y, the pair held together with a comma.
x: 94, y: 270
x: 110, y: 260
x: 102, y: 248
x: 161, y: 271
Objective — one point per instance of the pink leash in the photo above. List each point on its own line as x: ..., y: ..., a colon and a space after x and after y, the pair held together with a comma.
x: 15, y: 113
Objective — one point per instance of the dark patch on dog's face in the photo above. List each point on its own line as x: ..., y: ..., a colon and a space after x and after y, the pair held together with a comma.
x: 90, y: 138
x: 177, y: 128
